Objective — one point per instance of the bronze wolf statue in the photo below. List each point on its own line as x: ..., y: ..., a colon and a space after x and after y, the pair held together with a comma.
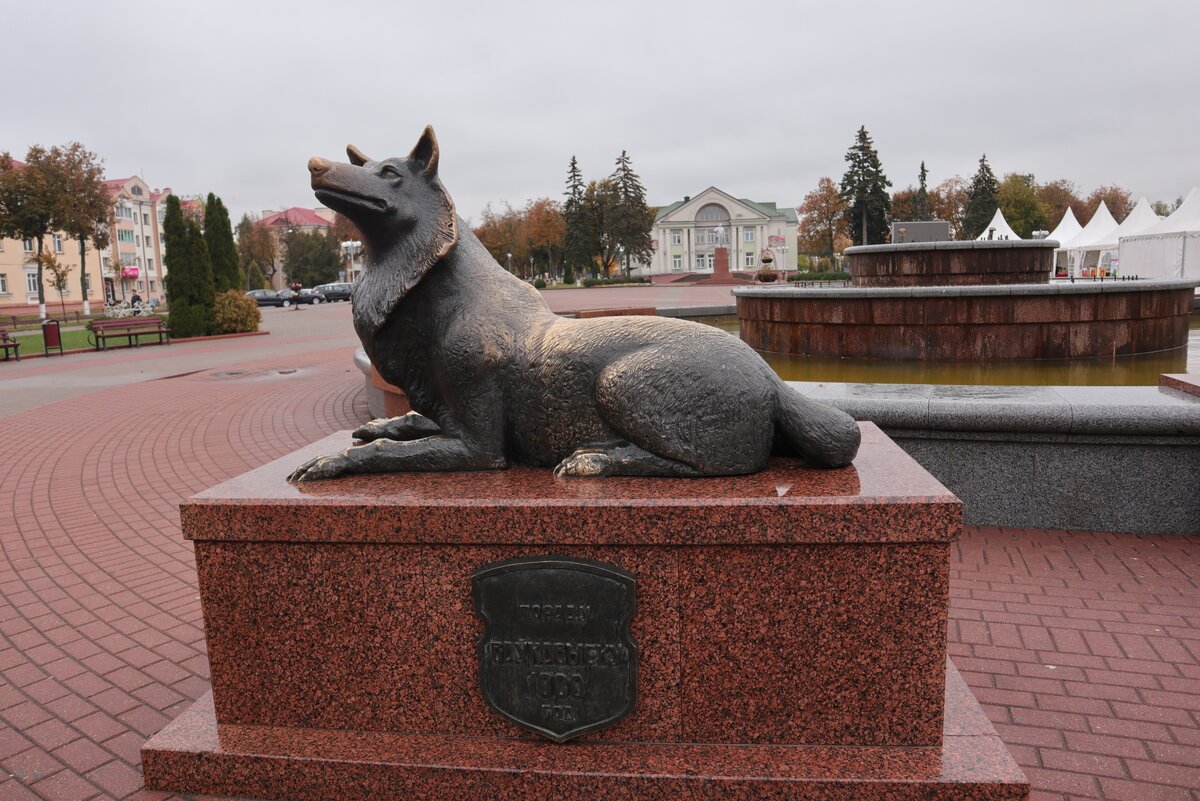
x: 496, y: 378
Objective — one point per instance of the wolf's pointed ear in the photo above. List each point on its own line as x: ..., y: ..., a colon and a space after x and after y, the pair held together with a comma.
x: 426, y: 152
x: 357, y: 158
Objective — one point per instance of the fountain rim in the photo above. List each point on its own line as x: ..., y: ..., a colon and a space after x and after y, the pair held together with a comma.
x: 970, y: 244
x: 1065, y: 287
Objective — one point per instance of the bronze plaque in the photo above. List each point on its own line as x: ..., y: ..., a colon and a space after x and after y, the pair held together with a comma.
x: 556, y: 656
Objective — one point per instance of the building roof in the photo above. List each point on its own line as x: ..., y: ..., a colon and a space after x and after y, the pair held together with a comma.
x: 769, y: 210
x: 295, y: 216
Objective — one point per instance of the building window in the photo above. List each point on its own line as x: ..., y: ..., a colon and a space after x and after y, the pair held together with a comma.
x: 677, y: 263
x: 149, y: 265
x: 31, y: 283
x: 145, y: 218
x: 3, y: 283
x: 135, y: 189
x: 58, y: 243
x: 710, y: 261
x: 747, y: 234
x: 28, y: 243
x: 699, y: 261
x: 151, y: 286
x: 750, y: 260
x: 676, y: 236
x: 104, y: 262
x: 139, y: 286
x: 125, y: 236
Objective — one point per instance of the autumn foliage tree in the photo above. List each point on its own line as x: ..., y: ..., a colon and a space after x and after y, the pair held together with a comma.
x: 85, y: 211
x: 1059, y: 195
x: 822, y: 220
x: 29, y: 198
x: 256, y: 251
x: 312, y: 258
x: 545, y: 228
x: 1018, y: 200
x: 1118, y: 200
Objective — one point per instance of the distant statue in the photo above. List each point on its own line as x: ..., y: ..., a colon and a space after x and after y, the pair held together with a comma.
x: 496, y: 378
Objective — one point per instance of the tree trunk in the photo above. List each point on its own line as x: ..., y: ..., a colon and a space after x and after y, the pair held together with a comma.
x: 41, y: 286
x: 87, y: 306
x: 864, y: 227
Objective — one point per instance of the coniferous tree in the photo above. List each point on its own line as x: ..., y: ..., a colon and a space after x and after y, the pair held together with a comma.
x: 982, y: 200
x: 575, y: 238
x: 218, y: 237
x: 632, y: 219
x: 189, y: 280
x: 921, y: 205
x: 864, y: 189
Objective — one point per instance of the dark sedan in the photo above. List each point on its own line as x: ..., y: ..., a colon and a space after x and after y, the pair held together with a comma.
x: 304, y: 296
x: 335, y: 292
x: 268, y: 297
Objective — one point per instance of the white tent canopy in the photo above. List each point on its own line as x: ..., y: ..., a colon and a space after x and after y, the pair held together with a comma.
x: 998, y: 228
x: 1141, y: 218
x: 1067, y: 228
x: 1099, y: 229
x: 1168, y: 249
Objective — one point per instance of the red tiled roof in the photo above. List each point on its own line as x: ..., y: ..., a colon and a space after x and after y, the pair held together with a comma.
x: 295, y: 216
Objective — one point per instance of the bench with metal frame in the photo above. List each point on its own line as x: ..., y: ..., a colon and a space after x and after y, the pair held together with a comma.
x: 9, y: 343
x: 131, y: 329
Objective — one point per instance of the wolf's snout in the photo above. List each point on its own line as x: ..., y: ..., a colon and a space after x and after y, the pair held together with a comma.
x: 318, y: 166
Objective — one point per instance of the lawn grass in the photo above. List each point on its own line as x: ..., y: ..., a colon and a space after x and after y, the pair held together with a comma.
x: 32, y: 342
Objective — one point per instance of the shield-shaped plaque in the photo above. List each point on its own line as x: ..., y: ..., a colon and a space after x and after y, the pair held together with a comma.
x: 556, y: 656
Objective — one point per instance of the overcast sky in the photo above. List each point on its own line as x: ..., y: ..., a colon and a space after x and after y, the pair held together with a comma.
x: 758, y: 99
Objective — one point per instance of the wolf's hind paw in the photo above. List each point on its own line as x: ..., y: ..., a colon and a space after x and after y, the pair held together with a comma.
x: 585, y: 463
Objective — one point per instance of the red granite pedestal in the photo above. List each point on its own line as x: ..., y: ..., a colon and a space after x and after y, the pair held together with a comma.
x: 791, y: 628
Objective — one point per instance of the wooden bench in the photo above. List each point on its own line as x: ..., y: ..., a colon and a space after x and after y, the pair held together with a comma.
x: 131, y: 329
x: 9, y: 343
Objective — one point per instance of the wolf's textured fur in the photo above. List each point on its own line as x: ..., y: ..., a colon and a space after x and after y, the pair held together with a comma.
x: 496, y: 378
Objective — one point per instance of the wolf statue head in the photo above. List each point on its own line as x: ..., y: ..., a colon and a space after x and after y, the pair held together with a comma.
x: 405, y: 215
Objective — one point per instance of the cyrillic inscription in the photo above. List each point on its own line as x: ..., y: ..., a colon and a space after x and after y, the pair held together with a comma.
x: 557, y: 656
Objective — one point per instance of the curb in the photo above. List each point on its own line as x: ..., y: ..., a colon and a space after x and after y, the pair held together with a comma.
x: 73, y: 351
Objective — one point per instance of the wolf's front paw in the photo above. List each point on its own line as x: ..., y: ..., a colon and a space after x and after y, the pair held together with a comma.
x: 585, y: 463
x: 369, y: 432
x: 322, y: 467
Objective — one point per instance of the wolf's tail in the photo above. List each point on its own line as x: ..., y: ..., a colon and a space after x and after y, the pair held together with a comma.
x: 822, y: 435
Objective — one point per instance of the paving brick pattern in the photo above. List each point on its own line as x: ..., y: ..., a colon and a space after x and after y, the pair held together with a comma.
x: 1084, y: 648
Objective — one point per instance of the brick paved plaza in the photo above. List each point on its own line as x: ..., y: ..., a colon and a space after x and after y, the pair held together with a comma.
x: 1083, y: 647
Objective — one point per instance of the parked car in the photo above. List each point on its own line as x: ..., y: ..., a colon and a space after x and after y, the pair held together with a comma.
x: 307, y: 296
x: 268, y: 297
x: 332, y: 292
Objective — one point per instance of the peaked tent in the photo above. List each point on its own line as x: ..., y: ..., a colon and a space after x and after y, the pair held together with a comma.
x: 1082, y: 252
x: 998, y: 228
x: 1141, y: 218
x: 1168, y: 249
x: 1066, y: 230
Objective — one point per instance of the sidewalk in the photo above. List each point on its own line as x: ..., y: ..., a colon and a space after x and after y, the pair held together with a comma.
x: 1084, y: 648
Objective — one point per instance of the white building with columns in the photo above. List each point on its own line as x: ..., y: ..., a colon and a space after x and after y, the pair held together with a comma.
x: 687, y: 233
